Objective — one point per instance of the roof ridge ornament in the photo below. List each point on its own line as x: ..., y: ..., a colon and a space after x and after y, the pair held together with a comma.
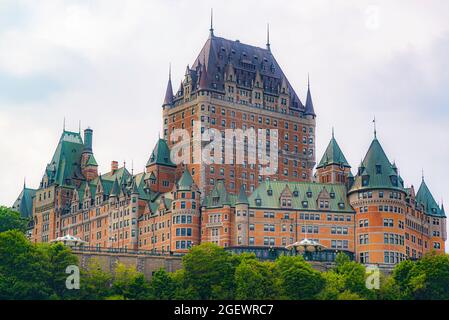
x: 375, y: 130
x: 211, y: 22
x: 268, y: 37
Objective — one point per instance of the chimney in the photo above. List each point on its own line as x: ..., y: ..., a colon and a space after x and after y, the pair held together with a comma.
x: 114, y: 166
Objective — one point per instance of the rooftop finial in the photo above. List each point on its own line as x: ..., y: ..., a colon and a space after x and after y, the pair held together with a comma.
x: 24, y: 182
x: 422, y: 174
x: 211, y: 22
x: 308, y: 80
x: 79, y: 126
x: 169, y: 71
x: 63, y: 125
x: 332, y: 132
x: 375, y: 131
x: 268, y: 36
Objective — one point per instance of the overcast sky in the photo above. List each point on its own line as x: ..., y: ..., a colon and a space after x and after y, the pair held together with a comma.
x: 105, y: 63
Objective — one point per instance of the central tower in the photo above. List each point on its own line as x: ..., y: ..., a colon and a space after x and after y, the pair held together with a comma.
x: 232, y: 85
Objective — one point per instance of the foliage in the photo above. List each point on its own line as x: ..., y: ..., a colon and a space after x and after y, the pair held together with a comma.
x: 129, y: 283
x: 299, y: 281
x: 209, y: 271
x: 37, y: 271
x: 24, y: 270
x: 11, y: 220
x: 255, y: 280
x: 425, y: 279
x: 95, y: 283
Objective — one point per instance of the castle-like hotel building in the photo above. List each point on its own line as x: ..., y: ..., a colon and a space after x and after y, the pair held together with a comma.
x: 169, y: 208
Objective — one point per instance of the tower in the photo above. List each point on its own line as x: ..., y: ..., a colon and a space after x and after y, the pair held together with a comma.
x: 160, y: 168
x: 333, y: 167
x: 232, y: 85
x: 242, y: 218
x: 378, y: 197
x: 89, y: 166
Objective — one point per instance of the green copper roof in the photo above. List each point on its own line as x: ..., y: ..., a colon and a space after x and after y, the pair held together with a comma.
x: 65, y: 164
x: 376, y: 171
x: 24, y: 203
x: 161, y: 155
x: 115, y: 188
x: 219, y: 197
x: 186, y: 181
x: 333, y: 155
x: 307, y: 191
x: 242, y: 198
x: 91, y: 161
x: 425, y: 198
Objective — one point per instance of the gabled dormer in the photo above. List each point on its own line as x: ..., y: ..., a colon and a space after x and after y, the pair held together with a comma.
x: 285, y: 198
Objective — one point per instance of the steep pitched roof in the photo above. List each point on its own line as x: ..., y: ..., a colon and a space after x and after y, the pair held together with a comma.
x: 24, y: 202
x: 91, y: 161
x: 185, y: 182
x: 219, y: 197
x: 161, y: 155
x: 333, y: 155
x: 304, y: 189
x: 217, y: 53
x: 309, y: 103
x: 168, y: 100
x: 425, y: 197
x: 242, y: 198
x: 65, y: 163
x: 376, y: 171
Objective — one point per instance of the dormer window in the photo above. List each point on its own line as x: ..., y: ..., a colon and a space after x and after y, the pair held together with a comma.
x: 305, y: 204
x: 394, y: 180
x: 365, y: 181
x: 258, y: 202
x: 341, y: 205
x: 270, y: 192
x: 332, y: 195
x: 378, y: 169
x: 295, y: 193
x: 309, y: 194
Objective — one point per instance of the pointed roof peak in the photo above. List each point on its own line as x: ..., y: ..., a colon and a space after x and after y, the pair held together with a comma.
x: 309, y: 109
x: 242, y: 198
x: 168, y: 100
x: 186, y: 181
x: 333, y: 155
x: 161, y: 154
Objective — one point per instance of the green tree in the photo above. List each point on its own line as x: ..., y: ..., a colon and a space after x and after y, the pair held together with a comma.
x: 163, y: 286
x: 353, y: 275
x: 57, y: 258
x: 425, y: 279
x: 95, y: 283
x: 255, y: 280
x: 130, y: 283
x: 24, y: 270
x: 209, y: 271
x: 11, y: 220
x: 299, y: 280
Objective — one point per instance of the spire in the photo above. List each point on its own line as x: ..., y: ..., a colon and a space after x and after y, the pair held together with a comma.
x: 268, y: 37
x: 63, y: 125
x: 186, y: 181
x: 169, y: 92
x: 422, y: 175
x: 333, y: 155
x: 242, y: 198
x: 134, y: 189
x: 309, y: 110
x: 375, y: 131
x: 24, y: 182
x: 211, y: 22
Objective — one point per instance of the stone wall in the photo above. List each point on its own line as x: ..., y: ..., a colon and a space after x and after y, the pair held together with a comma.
x: 143, y: 263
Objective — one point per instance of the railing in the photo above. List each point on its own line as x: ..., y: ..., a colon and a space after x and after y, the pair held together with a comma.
x: 126, y: 251
x: 272, y: 253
